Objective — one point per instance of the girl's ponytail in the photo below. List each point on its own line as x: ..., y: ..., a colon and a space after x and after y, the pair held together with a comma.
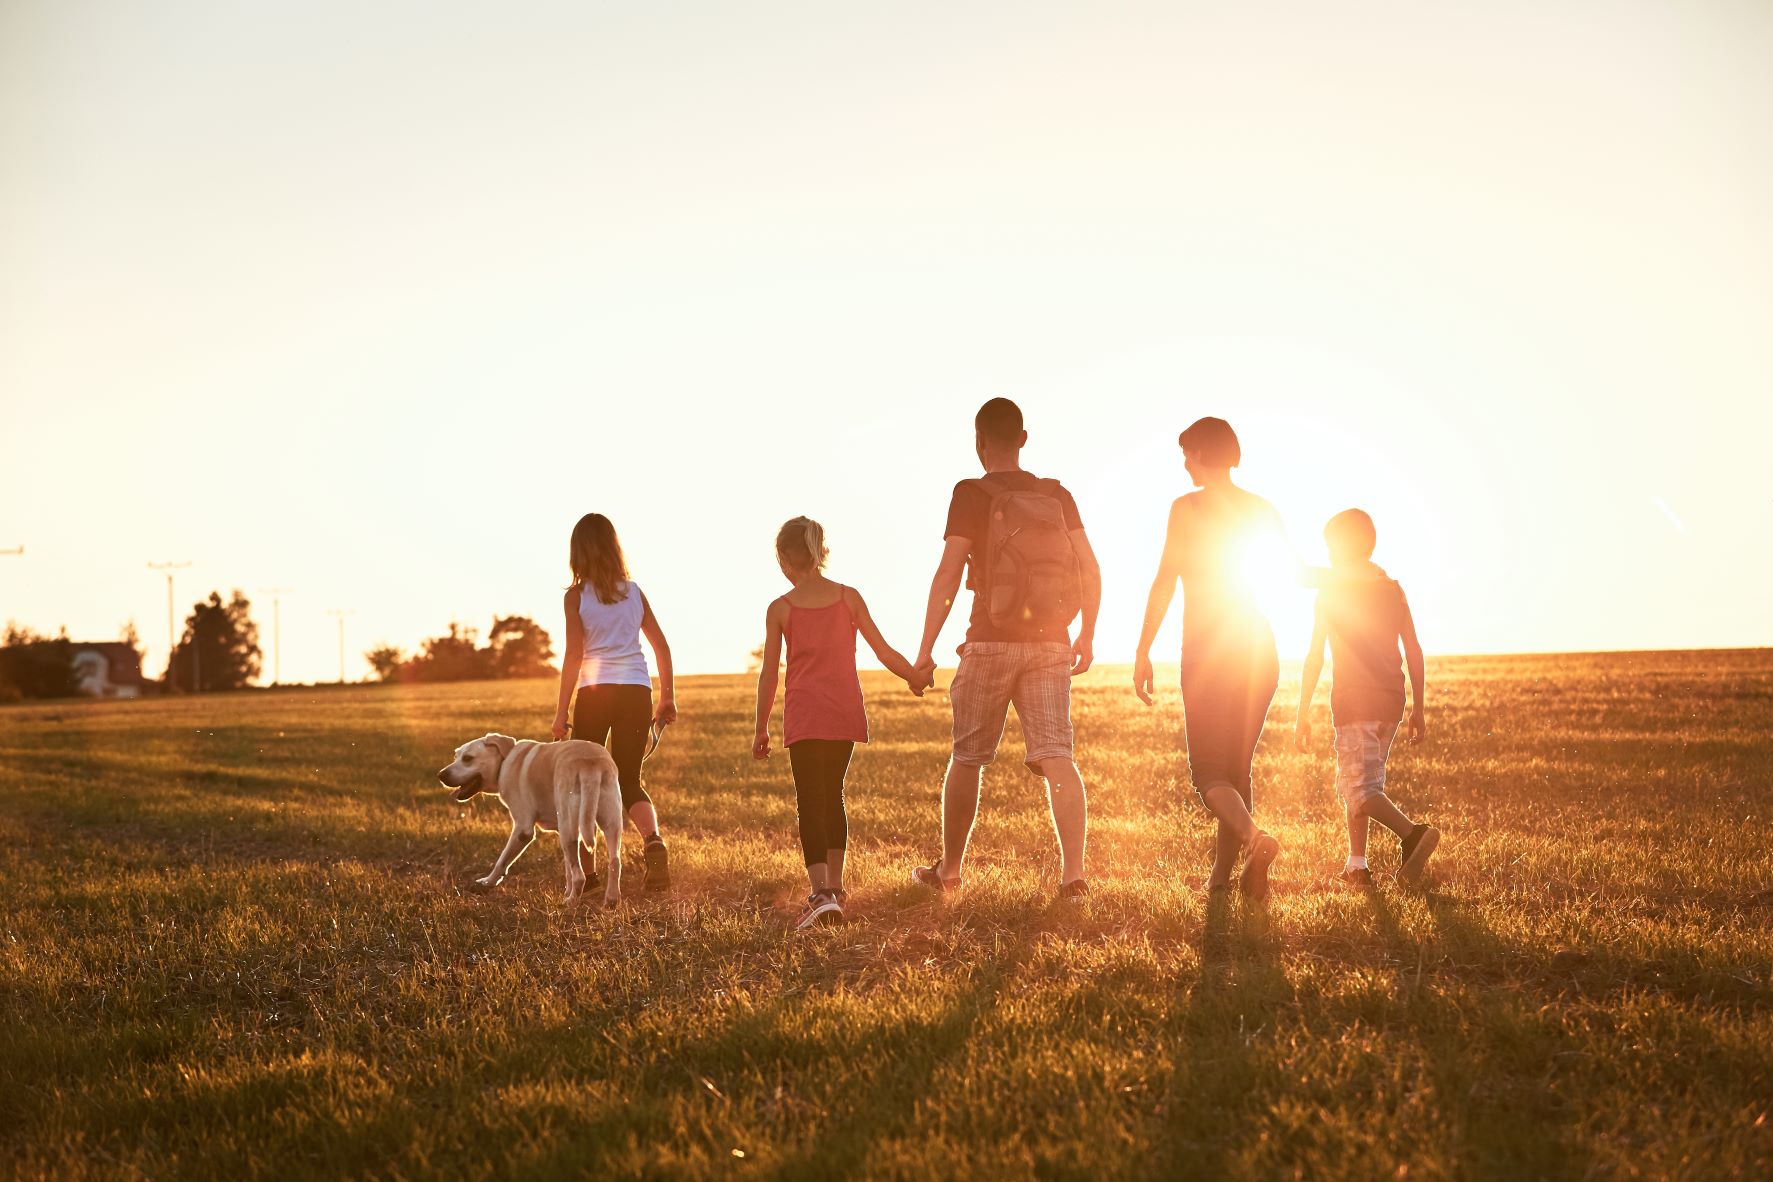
x: 800, y: 545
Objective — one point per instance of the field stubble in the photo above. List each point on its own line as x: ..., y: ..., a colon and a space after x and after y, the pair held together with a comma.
x: 237, y: 941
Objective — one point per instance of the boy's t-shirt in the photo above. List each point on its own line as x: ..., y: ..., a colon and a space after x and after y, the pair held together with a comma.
x: 969, y: 517
x: 1365, y: 619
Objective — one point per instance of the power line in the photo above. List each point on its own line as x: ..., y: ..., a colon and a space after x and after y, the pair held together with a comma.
x: 340, y: 613
x: 171, y: 643
x: 276, y: 594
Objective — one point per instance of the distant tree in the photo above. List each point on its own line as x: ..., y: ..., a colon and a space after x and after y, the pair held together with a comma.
x: 454, y: 657
x: 386, y: 660
x: 220, y: 647
x: 130, y: 636
x: 36, y: 666
x: 755, y: 664
x: 520, y: 647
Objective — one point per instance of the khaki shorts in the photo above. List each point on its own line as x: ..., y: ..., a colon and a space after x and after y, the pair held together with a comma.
x: 1035, y: 676
x: 1361, y: 748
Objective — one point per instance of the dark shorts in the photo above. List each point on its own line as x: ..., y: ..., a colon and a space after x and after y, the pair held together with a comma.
x: 617, y: 717
x: 1225, y: 696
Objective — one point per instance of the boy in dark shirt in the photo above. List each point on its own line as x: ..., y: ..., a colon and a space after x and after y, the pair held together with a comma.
x: 1363, y: 615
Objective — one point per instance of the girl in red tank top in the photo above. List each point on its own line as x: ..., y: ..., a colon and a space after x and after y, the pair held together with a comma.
x: 822, y: 713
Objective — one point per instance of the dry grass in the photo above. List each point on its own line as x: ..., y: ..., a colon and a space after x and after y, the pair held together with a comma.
x: 236, y: 943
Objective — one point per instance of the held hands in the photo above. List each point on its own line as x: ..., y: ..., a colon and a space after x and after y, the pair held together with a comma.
x: 1142, y: 676
x: 760, y: 745
x: 1417, y: 728
x: 923, y: 676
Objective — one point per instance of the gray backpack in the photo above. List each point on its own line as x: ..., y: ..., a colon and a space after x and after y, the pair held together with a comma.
x: 1027, y: 572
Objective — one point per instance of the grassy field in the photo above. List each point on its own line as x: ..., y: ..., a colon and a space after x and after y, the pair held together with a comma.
x: 236, y: 942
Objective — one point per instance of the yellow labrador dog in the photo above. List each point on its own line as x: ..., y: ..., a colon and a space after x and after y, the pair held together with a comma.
x: 568, y: 787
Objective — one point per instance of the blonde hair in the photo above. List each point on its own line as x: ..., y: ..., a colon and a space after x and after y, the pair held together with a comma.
x: 800, y: 545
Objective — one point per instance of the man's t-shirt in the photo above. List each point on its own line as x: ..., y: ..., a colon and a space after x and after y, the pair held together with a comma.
x: 969, y: 517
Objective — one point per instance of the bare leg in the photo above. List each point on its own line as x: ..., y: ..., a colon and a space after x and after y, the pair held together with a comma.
x: 645, y: 818
x: 1227, y: 845
x: 1234, y: 817
x: 834, y: 869
x: 818, y: 875
x: 1070, y: 806
x: 1382, y: 810
x: 960, y: 807
x: 514, y: 847
x: 1357, y: 832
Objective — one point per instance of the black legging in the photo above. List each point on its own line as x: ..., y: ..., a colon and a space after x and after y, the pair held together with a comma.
x: 618, y: 716
x: 819, y: 767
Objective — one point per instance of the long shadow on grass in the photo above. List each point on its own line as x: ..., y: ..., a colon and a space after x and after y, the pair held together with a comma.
x: 1216, y: 1084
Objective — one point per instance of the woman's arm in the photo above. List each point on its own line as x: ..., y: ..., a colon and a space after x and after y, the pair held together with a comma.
x: 767, y: 676
x: 569, y: 661
x: 666, y: 714
x: 1314, y: 669
x: 1157, y: 603
x: 889, y: 656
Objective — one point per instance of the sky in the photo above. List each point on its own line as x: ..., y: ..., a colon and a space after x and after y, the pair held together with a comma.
x: 374, y: 301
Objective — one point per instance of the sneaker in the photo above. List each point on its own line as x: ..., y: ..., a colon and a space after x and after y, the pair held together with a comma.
x: 1075, y: 891
x: 1418, y: 847
x: 931, y: 876
x: 658, y: 864
x: 1253, y: 882
x: 822, y: 910
x: 1360, y: 878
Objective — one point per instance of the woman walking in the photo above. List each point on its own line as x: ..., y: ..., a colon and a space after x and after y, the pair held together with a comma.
x: 1230, y: 667
x: 606, y: 615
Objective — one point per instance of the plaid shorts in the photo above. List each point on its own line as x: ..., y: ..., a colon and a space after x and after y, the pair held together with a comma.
x: 1036, y: 676
x: 1361, y: 748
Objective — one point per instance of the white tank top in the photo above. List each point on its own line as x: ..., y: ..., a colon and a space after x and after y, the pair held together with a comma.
x: 612, y: 653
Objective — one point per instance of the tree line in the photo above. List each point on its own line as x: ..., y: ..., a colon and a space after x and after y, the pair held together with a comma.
x: 219, y: 650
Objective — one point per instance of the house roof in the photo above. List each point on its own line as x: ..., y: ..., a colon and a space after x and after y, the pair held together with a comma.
x: 123, y: 663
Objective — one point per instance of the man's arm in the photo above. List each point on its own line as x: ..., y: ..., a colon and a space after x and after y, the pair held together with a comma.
x: 1418, y: 669
x: 943, y: 588
x: 1314, y: 669
x: 1083, y: 651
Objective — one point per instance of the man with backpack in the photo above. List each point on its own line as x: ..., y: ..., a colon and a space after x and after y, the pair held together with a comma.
x: 1021, y: 543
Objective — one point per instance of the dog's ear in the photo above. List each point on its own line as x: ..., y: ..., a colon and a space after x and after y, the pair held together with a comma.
x: 502, y: 744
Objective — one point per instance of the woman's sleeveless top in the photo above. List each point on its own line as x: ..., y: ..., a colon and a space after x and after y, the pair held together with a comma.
x: 611, y: 654
x: 823, y: 699
x: 1220, y: 616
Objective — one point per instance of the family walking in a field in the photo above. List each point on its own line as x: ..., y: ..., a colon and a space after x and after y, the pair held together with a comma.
x: 1019, y: 544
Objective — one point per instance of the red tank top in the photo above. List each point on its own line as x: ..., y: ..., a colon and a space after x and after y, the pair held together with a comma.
x: 824, y: 694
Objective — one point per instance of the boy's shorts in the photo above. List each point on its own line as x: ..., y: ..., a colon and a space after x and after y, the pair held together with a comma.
x: 1036, y: 676
x: 1361, y: 748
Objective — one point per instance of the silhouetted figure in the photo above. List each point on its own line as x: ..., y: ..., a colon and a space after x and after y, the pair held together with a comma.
x: 606, y: 615
x: 1032, y: 572
x: 823, y: 716
x: 1363, y: 616
x: 1230, y: 669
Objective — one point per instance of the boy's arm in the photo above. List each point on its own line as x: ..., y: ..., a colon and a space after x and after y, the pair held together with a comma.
x: 655, y: 636
x: 1418, y: 726
x: 1314, y: 669
x: 943, y: 588
x: 889, y: 656
x: 1083, y: 651
x: 766, y: 680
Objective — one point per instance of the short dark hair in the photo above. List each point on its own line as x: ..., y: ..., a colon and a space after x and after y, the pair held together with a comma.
x: 1351, y: 534
x: 999, y: 420
x: 1214, y: 441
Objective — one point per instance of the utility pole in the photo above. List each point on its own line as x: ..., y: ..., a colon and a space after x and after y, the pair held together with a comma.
x: 171, y: 641
x: 277, y: 594
x: 340, y: 613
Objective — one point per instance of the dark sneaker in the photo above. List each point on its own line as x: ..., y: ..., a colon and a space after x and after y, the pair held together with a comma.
x: 1075, y: 891
x: 658, y: 865
x: 1361, y: 879
x: 822, y: 910
x: 931, y: 876
x: 1418, y: 847
x: 1253, y: 882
